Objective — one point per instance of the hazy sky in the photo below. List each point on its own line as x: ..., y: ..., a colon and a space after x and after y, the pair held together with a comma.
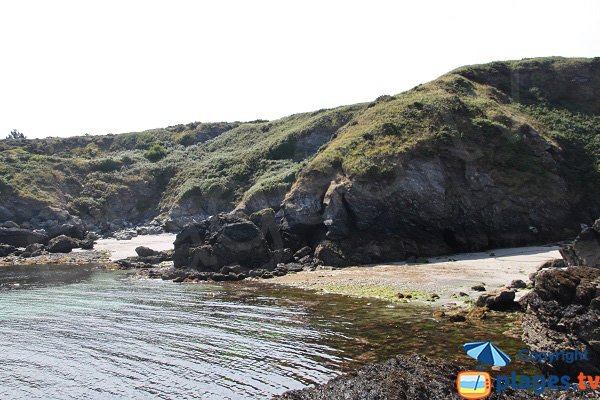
x: 71, y: 67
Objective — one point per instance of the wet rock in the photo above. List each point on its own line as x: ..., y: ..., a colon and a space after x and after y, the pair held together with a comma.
x: 562, y: 312
x: 21, y: 237
x: 503, y: 300
x: 62, y: 244
x: 143, y: 251
x: 9, y: 224
x: 411, y: 377
x: 585, y: 249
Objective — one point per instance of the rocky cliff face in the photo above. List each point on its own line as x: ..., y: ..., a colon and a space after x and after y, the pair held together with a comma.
x: 460, y: 164
x: 492, y: 155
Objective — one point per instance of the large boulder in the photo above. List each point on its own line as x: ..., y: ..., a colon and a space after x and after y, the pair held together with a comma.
x: 503, y: 300
x: 21, y: 237
x: 62, y: 244
x: 585, y: 249
x: 143, y: 251
x: 71, y: 229
x: 563, y: 312
x: 224, y: 239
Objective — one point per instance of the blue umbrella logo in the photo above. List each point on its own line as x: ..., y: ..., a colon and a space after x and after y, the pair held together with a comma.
x: 487, y: 353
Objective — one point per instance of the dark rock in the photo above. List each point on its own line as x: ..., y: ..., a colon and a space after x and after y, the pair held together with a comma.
x: 585, y: 249
x: 127, y: 234
x: 500, y: 301
x: 33, y: 250
x: 21, y: 237
x: 303, y: 252
x: 556, y: 263
x: 233, y: 269
x: 293, y: 267
x: 517, y: 284
x: 330, y: 253
x: 265, y: 220
x: 478, y: 288
x: 149, y: 230
x: 9, y: 224
x: 561, y: 312
x: 62, y: 244
x: 224, y: 239
x: 217, y: 277
x: 143, y: 251
x: 280, y: 256
x: 257, y: 273
x: 73, y: 230
x: 410, y: 377
x: 6, y: 250
x: 87, y: 243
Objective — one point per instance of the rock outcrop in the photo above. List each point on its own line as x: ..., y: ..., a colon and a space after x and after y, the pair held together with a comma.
x: 229, y: 239
x: 563, y: 312
x: 585, y: 249
x: 403, y: 377
x: 19, y: 237
x: 62, y: 244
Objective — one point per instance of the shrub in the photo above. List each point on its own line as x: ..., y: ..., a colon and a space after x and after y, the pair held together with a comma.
x: 155, y: 152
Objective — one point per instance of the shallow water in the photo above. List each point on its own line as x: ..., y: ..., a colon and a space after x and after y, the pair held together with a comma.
x: 84, y: 333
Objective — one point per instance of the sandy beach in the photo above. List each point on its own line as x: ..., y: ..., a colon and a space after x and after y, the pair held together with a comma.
x: 424, y: 282
x: 120, y: 249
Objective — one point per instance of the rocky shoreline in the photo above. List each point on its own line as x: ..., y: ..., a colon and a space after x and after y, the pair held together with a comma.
x: 560, y: 305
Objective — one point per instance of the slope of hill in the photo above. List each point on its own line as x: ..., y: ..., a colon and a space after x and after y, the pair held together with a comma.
x: 498, y: 154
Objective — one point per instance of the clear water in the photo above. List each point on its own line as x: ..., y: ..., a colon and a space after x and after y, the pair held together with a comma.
x: 84, y: 333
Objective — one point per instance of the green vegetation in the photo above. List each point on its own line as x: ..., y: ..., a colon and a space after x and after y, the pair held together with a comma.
x: 155, y: 152
x: 489, y: 111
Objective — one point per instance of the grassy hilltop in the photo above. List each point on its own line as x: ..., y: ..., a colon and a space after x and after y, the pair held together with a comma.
x: 198, y: 169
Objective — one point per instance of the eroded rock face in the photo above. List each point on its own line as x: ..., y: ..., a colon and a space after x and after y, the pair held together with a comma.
x: 225, y: 239
x: 585, y: 249
x: 443, y: 204
x: 563, y: 312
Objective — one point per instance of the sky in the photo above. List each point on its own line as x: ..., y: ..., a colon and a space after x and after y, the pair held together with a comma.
x: 74, y: 67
